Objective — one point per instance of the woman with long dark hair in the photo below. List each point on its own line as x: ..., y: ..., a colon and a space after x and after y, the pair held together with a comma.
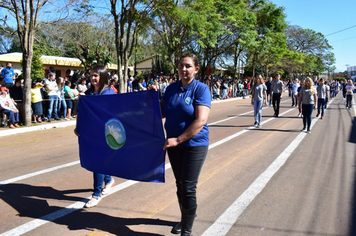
x: 99, y: 78
x: 186, y: 106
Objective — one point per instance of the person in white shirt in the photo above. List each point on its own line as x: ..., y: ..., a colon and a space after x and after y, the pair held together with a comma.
x: 52, y: 87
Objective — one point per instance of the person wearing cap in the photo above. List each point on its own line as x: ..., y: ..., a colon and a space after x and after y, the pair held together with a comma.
x: 8, y: 107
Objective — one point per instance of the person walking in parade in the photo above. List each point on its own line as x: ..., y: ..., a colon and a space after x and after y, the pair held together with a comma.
x: 99, y: 78
x: 349, y: 93
x: 277, y: 90
x: 186, y: 106
x: 269, y: 94
x: 259, y: 96
x: 323, y: 95
x: 307, y: 99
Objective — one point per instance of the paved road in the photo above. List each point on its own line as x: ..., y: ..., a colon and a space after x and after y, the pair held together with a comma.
x: 270, y: 181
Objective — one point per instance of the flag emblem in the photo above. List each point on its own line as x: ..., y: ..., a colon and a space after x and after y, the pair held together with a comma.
x: 115, y: 134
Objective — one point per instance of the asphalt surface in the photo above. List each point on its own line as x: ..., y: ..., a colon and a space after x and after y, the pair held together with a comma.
x: 275, y: 180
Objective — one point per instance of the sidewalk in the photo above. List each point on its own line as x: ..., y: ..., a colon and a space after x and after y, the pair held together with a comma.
x: 5, y: 131
x: 54, y: 124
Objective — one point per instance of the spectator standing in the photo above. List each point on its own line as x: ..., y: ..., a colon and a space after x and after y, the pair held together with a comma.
x: 36, y: 100
x: 82, y: 87
x: 9, y: 75
x: 69, y: 97
x: 16, y: 93
x: 75, y: 91
x: 51, y: 88
x: 61, y: 101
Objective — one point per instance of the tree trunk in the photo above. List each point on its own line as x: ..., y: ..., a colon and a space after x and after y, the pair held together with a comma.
x: 26, y: 61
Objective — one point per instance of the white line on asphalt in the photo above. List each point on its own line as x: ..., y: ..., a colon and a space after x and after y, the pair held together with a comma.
x: 35, y: 128
x: 225, y: 222
x: 77, y: 162
x: 22, y: 229
x: 39, y: 172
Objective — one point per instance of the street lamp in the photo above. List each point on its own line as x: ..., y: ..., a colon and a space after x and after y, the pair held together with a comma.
x: 347, y: 65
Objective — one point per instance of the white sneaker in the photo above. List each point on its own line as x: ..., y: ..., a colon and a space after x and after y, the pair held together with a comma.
x: 107, y: 187
x: 66, y: 118
x: 92, y: 202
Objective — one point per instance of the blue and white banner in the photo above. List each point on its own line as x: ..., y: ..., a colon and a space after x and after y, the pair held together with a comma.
x: 122, y: 135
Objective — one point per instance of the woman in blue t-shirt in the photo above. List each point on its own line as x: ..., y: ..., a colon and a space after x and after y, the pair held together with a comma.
x: 99, y: 78
x: 186, y: 106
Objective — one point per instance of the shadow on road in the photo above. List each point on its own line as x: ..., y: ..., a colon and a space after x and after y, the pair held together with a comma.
x: 352, y: 139
x: 85, y: 219
x: 32, y: 201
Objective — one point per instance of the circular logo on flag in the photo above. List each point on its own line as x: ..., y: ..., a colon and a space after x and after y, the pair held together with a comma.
x: 115, y: 134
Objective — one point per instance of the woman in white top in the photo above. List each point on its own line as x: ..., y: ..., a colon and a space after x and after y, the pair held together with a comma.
x: 349, y: 93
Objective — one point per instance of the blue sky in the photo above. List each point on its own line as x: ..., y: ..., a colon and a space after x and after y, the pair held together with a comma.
x: 327, y: 17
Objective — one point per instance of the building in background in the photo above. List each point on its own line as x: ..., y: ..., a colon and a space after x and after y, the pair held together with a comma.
x: 60, y: 64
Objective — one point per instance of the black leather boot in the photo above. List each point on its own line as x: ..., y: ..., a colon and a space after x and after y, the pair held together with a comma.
x: 177, y: 229
x: 188, y: 216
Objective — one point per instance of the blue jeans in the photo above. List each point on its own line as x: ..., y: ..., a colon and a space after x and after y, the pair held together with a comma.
x: 62, y: 103
x: 53, y: 103
x: 307, y: 110
x: 187, y: 163
x: 12, y: 116
x: 321, y: 104
x: 257, y: 105
x: 99, y: 179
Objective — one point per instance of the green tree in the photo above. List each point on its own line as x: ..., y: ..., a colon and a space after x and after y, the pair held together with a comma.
x: 270, y: 45
x: 37, y: 68
x: 130, y: 16
x: 317, y: 55
x: 26, y: 14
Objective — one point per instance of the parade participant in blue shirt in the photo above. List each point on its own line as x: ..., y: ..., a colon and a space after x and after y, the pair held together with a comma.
x: 186, y: 106
x: 9, y: 75
x: 99, y: 78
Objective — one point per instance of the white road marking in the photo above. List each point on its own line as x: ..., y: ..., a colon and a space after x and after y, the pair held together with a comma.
x: 39, y: 173
x: 22, y: 229
x: 225, y: 222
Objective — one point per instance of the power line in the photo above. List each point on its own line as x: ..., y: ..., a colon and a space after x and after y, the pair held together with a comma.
x: 343, y: 40
x: 341, y: 30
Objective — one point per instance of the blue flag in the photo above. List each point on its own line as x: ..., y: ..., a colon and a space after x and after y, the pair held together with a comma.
x: 122, y: 135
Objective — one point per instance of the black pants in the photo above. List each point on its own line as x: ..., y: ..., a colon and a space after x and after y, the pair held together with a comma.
x: 276, y: 101
x: 307, y: 110
x: 186, y: 165
x: 348, y: 100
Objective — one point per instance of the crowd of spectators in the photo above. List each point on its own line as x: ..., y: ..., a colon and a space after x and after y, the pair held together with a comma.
x: 56, y: 98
